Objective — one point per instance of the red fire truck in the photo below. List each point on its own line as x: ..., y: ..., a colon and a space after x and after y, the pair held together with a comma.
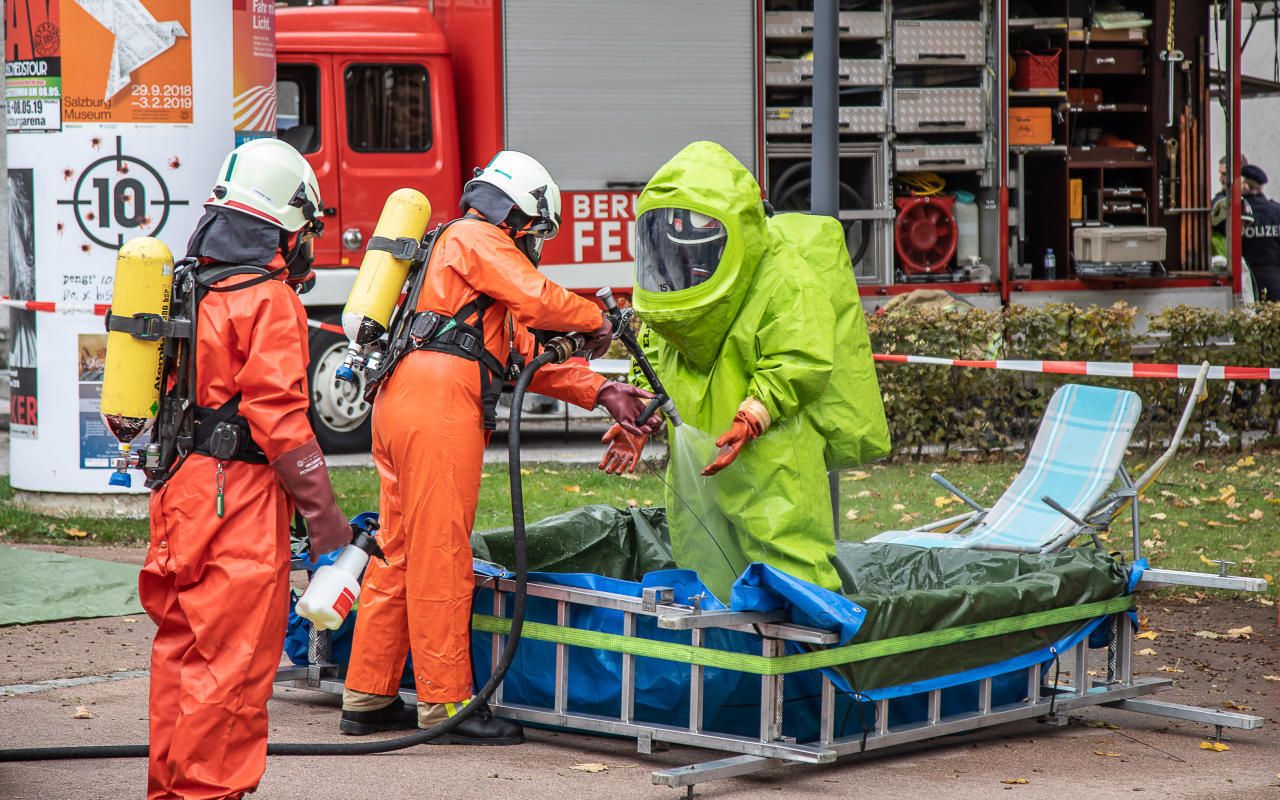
x: 1008, y: 152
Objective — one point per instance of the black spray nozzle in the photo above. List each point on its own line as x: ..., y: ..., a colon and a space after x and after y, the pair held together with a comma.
x: 365, y: 541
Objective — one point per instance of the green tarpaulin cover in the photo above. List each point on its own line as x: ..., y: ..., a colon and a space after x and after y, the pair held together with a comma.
x: 36, y: 586
x: 904, y: 589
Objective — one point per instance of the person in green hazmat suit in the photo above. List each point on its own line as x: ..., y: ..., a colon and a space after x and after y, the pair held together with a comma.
x: 754, y: 324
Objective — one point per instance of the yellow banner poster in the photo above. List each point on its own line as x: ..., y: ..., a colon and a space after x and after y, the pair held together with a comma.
x: 127, y: 61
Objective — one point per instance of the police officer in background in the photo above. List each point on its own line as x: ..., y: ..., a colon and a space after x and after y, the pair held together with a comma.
x: 1261, y: 244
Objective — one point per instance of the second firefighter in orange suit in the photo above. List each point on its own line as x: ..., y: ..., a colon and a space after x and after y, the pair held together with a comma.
x: 429, y: 436
x: 216, y: 579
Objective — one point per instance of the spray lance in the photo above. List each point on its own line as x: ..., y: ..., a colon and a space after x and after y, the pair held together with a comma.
x: 621, y: 319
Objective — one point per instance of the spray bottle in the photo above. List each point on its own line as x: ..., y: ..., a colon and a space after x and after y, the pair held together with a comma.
x: 335, y: 588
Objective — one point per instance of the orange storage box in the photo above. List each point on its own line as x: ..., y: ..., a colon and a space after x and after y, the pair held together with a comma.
x: 1030, y: 126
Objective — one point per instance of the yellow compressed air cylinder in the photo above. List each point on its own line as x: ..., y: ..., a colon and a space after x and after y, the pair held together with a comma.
x: 381, y: 277
x: 133, y: 375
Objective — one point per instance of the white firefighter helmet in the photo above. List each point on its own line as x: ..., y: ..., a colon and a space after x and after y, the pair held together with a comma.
x: 528, y: 184
x: 268, y: 179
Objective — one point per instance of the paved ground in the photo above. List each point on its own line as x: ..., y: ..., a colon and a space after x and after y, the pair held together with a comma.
x: 1159, y: 758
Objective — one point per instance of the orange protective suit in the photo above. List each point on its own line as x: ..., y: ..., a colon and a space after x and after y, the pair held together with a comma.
x: 428, y: 447
x: 218, y: 588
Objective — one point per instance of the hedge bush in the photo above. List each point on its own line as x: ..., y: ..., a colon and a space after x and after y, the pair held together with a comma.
x: 987, y: 409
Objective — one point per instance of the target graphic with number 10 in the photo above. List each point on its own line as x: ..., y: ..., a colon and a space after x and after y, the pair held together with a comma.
x: 120, y: 196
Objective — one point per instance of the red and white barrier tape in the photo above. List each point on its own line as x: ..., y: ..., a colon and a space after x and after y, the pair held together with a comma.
x: 325, y: 326
x: 1100, y: 369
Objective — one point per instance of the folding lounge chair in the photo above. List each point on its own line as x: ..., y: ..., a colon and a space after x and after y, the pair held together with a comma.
x: 1065, y: 488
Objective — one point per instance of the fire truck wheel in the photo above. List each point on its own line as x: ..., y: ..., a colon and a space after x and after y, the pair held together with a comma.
x: 339, y: 414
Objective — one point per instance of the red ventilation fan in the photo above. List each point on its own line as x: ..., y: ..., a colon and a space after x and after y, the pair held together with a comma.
x: 924, y: 234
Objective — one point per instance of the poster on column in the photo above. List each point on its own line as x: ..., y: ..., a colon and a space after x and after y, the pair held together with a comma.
x: 33, y: 69
x: 254, y: 85
x: 24, y: 404
x: 127, y: 61
x: 98, y: 447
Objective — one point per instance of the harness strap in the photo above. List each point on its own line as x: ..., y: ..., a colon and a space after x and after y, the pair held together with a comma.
x: 459, y: 338
x: 207, y: 419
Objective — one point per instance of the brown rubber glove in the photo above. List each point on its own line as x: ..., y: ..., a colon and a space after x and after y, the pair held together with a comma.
x: 624, y: 450
x: 624, y: 403
x: 751, y: 421
x: 598, y: 341
x: 305, y: 478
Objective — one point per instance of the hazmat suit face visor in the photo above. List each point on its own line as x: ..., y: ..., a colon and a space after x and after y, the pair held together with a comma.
x: 677, y: 249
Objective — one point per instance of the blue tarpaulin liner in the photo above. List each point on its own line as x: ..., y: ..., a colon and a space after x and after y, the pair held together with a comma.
x: 890, y: 590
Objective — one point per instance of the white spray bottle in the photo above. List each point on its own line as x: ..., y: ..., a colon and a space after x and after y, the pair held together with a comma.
x: 335, y: 588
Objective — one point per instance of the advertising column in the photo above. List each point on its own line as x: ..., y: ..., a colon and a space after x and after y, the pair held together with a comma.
x: 119, y: 113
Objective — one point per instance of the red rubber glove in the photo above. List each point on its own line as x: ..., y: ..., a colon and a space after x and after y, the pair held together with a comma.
x: 624, y: 450
x: 598, y: 341
x: 305, y: 478
x: 624, y: 403
x: 745, y: 428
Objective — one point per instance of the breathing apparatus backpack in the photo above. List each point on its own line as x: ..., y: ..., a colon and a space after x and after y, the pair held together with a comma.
x: 152, y: 330
x: 460, y: 334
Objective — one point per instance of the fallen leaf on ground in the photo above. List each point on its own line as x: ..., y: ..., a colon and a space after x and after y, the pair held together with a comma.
x: 1146, y: 651
x: 1016, y: 781
x: 1213, y: 523
x: 1256, y: 514
x: 83, y: 713
x: 851, y: 514
x: 1147, y: 635
x: 1105, y: 754
x: 1271, y: 677
x: 943, y: 501
x: 1247, y: 461
x: 1208, y: 635
x: 1216, y: 747
x: 1167, y: 668
x: 76, y: 532
x: 590, y: 767
x: 857, y: 475
x: 631, y: 502
x: 1231, y: 704
x: 865, y: 493
x: 899, y: 507
x: 1182, y: 523
x: 574, y: 489
x: 1160, y: 515
x: 1240, y: 633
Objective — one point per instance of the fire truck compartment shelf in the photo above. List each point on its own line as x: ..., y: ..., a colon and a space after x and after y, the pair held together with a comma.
x: 939, y: 157
x: 799, y: 25
x: 939, y: 43
x: 938, y: 110
x: 799, y: 120
x: 797, y: 72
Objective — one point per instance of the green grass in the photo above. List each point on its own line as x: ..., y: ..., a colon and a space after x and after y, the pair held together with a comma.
x: 1202, y: 508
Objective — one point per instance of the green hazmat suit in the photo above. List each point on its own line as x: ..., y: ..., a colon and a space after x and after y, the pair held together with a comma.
x: 779, y: 321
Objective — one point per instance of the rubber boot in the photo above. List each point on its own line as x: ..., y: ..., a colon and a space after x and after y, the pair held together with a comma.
x: 395, y: 716
x: 481, y: 728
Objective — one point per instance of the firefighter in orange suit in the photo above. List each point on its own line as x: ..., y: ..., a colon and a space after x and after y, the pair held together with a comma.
x: 216, y: 576
x: 481, y: 293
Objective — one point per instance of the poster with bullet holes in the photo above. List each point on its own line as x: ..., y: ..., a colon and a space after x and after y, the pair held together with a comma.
x: 92, y: 187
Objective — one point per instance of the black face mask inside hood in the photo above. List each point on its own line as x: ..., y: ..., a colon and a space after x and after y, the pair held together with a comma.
x: 233, y: 237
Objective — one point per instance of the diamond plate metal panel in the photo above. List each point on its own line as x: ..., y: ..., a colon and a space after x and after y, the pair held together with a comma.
x: 795, y: 72
x: 938, y: 110
x: 799, y: 25
x: 799, y: 120
x: 957, y: 43
x: 938, y: 157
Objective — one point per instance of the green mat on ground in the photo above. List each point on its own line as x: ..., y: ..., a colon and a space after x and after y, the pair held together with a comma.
x: 36, y: 586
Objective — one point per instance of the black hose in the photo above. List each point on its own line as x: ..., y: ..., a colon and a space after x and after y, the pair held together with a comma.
x: 418, y: 737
